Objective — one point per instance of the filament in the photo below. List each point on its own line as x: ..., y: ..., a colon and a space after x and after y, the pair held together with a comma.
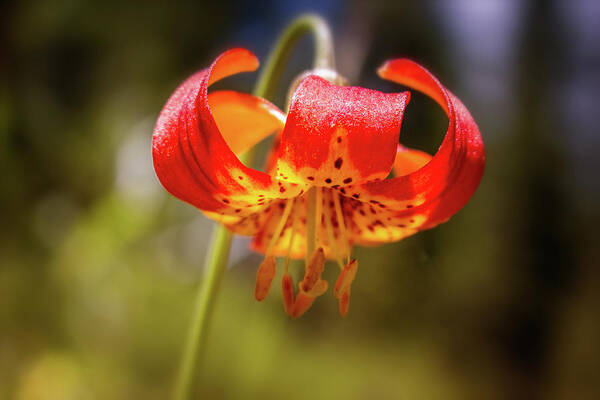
x: 330, y: 237
x: 340, y: 218
x: 280, y: 225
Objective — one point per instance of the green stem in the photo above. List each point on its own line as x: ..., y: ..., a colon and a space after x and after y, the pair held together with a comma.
x: 216, y: 260
x: 324, y: 56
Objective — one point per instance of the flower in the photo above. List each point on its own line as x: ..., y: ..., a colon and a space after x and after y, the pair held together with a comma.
x: 324, y: 188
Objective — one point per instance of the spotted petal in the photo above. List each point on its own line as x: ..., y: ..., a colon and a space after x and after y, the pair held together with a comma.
x: 337, y: 135
x: 431, y: 194
x: 193, y: 145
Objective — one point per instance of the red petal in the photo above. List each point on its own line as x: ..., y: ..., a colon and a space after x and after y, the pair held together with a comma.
x: 191, y: 157
x: 435, y: 192
x: 336, y: 135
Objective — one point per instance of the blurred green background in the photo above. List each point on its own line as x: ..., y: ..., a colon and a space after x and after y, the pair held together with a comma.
x: 99, y: 266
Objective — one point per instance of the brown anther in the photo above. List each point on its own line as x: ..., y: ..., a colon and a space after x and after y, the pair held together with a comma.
x: 318, y: 289
x: 314, y: 269
x: 264, y: 277
x: 344, y: 303
x: 302, y: 304
x: 287, y: 289
x: 345, y: 279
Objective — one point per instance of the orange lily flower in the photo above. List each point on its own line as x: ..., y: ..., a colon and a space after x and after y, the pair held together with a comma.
x: 325, y: 188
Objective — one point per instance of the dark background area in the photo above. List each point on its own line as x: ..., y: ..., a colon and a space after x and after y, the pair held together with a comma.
x: 98, y: 265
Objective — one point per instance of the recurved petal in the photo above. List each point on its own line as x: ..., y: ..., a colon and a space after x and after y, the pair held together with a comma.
x: 409, y: 160
x: 399, y: 207
x: 192, y: 158
x: 339, y: 135
x: 244, y: 120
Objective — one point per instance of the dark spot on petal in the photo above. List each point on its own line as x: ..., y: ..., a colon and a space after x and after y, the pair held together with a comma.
x: 281, y: 205
x: 401, y: 226
x: 374, y: 201
x: 370, y: 227
x: 343, y: 190
x: 361, y: 212
x: 338, y: 163
x: 335, y: 186
x: 241, y: 178
x: 310, y: 178
x: 238, y: 210
x: 347, y: 180
x: 339, y: 139
x: 225, y: 201
x: 409, y: 206
x: 382, y: 205
x: 328, y: 180
x: 355, y: 195
x: 281, y: 189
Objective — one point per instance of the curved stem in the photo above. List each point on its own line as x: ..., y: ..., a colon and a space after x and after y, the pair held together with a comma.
x: 216, y: 260
x: 324, y: 56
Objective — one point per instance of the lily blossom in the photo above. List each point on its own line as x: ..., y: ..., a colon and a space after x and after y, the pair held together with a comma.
x: 326, y: 186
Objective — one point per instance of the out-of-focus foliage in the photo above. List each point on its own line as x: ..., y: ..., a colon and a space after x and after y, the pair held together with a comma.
x: 99, y: 266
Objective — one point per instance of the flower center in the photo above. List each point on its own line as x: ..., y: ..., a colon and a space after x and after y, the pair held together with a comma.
x: 326, y: 237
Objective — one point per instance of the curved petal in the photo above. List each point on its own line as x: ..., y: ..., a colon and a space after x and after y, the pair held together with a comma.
x: 433, y: 193
x: 409, y: 160
x: 337, y: 135
x: 243, y: 119
x: 193, y: 160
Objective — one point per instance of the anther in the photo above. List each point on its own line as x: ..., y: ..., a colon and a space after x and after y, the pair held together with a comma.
x: 301, y: 305
x: 305, y: 299
x: 264, y: 277
x: 341, y: 289
x: 314, y: 269
x: 345, y: 279
x: 287, y: 289
x: 312, y: 285
x: 344, y: 303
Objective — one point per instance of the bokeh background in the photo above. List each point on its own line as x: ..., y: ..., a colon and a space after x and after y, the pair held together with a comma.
x: 99, y: 266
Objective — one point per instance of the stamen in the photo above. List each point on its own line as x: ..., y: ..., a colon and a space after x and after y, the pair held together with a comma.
x: 311, y: 242
x: 264, y: 277
x: 292, y: 237
x: 330, y: 237
x: 287, y: 289
x: 344, y: 303
x: 319, y: 213
x: 279, y: 228
x: 266, y: 270
x: 312, y: 285
x: 302, y: 304
x: 341, y: 289
x: 314, y: 269
x: 345, y: 279
x: 340, y: 218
